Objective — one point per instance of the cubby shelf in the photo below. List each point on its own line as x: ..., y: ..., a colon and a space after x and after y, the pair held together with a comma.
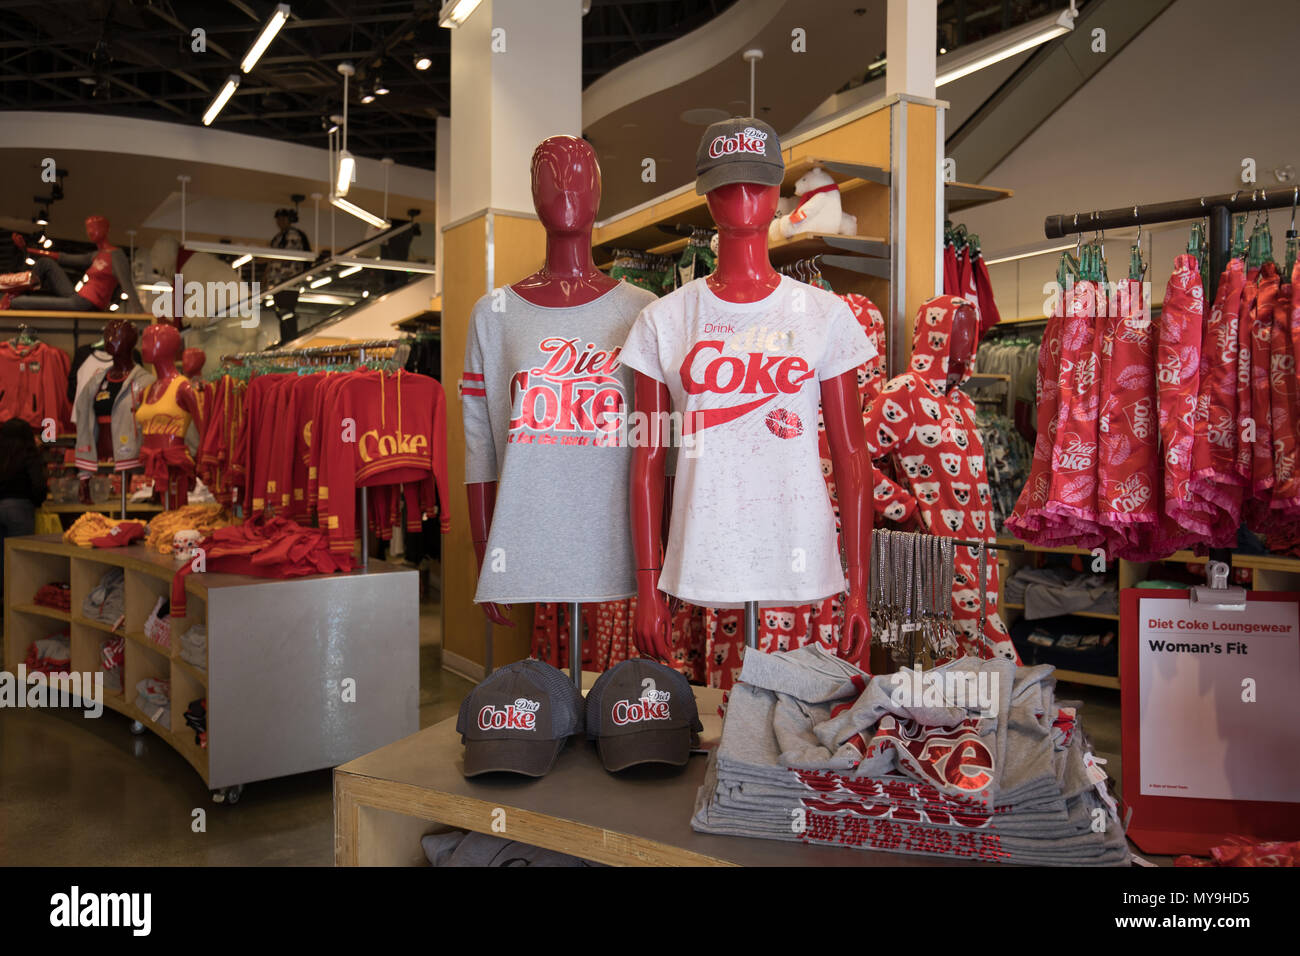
x: 1269, y: 572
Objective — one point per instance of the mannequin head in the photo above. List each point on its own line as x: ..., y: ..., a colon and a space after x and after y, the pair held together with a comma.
x: 162, y: 344
x: 743, y: 207
x: 961, y: 344
x: 119, y: 338
x: 97, y: 229
x: 192, y: 361
x: 566, y: 184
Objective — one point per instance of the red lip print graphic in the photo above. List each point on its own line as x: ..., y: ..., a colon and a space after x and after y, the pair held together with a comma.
x: 783, y: 424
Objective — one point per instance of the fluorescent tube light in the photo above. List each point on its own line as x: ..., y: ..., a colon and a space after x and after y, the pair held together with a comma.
x: 273, y: 26
x: 349, y: 271
x: 391, y: 265
x: 1005, y: 45
x: 347, y: 172
x: 1029, y: 255
x: 456, y: 12
x: 338, y: 202
x: 257, y: 252
x: 323, y: 280
x: 243, y: 260
x: 219, y: 103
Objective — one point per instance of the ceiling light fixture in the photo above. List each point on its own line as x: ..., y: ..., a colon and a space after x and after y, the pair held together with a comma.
x: 422, y: 63
x: 367, y: 98
x: 257, y: 252
x: 349, y: 271
x: 1008, y: 44
x: 456, y: 12
x: 323, y: 280
x: 390, y: 265
x: 243, y: 260
x: 221, y: 99
x: 338, y: 202
x: 1030, y: 254
x: 42, y: 218
x: 347, y: 173
x: 273, y: 26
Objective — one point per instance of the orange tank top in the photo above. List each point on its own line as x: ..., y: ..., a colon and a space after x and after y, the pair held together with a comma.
x: 164, y: 416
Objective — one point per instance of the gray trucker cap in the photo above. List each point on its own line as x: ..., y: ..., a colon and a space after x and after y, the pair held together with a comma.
x: 518, y: 719
x: 738, y: 150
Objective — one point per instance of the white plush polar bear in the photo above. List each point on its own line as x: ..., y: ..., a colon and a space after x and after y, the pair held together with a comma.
x: 818, y: 209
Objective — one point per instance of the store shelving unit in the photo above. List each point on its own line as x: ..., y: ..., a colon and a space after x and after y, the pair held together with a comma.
x: 1269, y: 572
x: 279, y: 652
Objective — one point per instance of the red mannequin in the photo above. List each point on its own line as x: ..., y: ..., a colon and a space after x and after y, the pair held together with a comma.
x: 165, y: 421
x: 119, y: 342
x: 192, y: 362
x: 743, y: 212
x: 107, y: 269
x: 566, y: 195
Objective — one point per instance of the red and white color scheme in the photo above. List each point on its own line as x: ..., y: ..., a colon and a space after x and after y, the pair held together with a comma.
x: 751, y: 519
x: 931, y: 433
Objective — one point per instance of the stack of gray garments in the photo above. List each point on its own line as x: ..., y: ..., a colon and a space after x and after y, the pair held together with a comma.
x: 154, y: 700
x: 194, y: 647
x: 106, y: 603
x: 1048, y: 592
x: 481, y: 849
x: 813, y: 750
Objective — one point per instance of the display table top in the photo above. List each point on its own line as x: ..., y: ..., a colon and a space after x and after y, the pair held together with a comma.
x: 641, y: 816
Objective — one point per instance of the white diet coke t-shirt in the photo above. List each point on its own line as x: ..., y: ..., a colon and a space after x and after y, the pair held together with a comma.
x: 751, y: 519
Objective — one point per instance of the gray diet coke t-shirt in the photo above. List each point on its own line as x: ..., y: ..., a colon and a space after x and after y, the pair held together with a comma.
x: 545, y: 399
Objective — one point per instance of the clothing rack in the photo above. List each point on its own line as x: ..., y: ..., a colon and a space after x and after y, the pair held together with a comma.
x: 348, y: 348
x: 1217, y: 209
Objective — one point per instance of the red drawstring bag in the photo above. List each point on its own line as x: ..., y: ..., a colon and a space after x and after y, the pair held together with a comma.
x: 1178, y: 376
x: 1072, y: 499
x: 1128, y: 467
x: 951, y: 282
x: 1028, y: 518
x: 1214, y: 451
x: 989, y: 315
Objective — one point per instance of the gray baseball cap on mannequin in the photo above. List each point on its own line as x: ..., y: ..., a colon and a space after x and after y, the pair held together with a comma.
x: 738, y: 150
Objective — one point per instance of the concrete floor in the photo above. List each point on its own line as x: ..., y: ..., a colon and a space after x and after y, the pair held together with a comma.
x: 76, y: 792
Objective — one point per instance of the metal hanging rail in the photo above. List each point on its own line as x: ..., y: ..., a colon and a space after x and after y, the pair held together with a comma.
x: 1217, y: 209
x: 347, y: 348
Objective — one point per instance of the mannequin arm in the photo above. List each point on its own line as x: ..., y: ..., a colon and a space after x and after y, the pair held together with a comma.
x: 851, y: 462
x: 122, y: 272
x: 482, y: 503
x: 653, y: 625
x: 187, y: 400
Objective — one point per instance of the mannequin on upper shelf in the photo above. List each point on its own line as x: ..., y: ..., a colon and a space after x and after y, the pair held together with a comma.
x: 165, y: 413
x: 927, y: 423
x: 104, y: 411
x: 745, y: 355
x: 106, y: 268
x: 543, y: 400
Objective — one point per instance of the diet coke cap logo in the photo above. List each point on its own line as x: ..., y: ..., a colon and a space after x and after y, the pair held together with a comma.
x: 738, y: 150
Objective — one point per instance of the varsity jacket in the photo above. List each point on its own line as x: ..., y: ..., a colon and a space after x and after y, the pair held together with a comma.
x: 126, y: 431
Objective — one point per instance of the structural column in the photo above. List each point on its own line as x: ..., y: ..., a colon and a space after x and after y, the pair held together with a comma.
x: 516, y: 78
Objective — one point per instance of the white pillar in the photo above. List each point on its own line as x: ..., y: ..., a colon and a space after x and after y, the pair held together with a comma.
x: 911, y: 35
x: 516, y: 78
x: 442, y: 192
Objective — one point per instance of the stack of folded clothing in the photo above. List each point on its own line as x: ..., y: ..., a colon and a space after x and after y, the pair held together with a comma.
x: 106, y: 603
x: 154, y: 700
x: 55, y: 594
x: 49, y: 655
x: 204, y: 519
x: 972, y: 760
x: 196, y: 718
x: 194, y: 647
x: 91, y: 526
x: 158, y: 626
x: 1048, y: 592
x: 112, y: 656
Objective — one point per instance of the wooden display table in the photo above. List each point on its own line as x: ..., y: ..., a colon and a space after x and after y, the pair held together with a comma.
x: 302, y: 673
x: 385, y: 801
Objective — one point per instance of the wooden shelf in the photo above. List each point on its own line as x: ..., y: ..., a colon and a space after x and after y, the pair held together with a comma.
x: 188, y: 668
x: 27, y: 315
x: 960, y: 196
x: 44, y: 611
x: 97, y: 625
x: 1083, y: 677
x: 103, y: 507
x: 1099, y: 615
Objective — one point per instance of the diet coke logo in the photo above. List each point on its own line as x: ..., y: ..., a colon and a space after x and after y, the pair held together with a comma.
x: 635, y: 711
x: 749, y: 140
x: 521, y: 715
x: 1077, y: 456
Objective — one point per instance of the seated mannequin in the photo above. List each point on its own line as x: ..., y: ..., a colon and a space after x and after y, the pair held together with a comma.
x: 107, y: 269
